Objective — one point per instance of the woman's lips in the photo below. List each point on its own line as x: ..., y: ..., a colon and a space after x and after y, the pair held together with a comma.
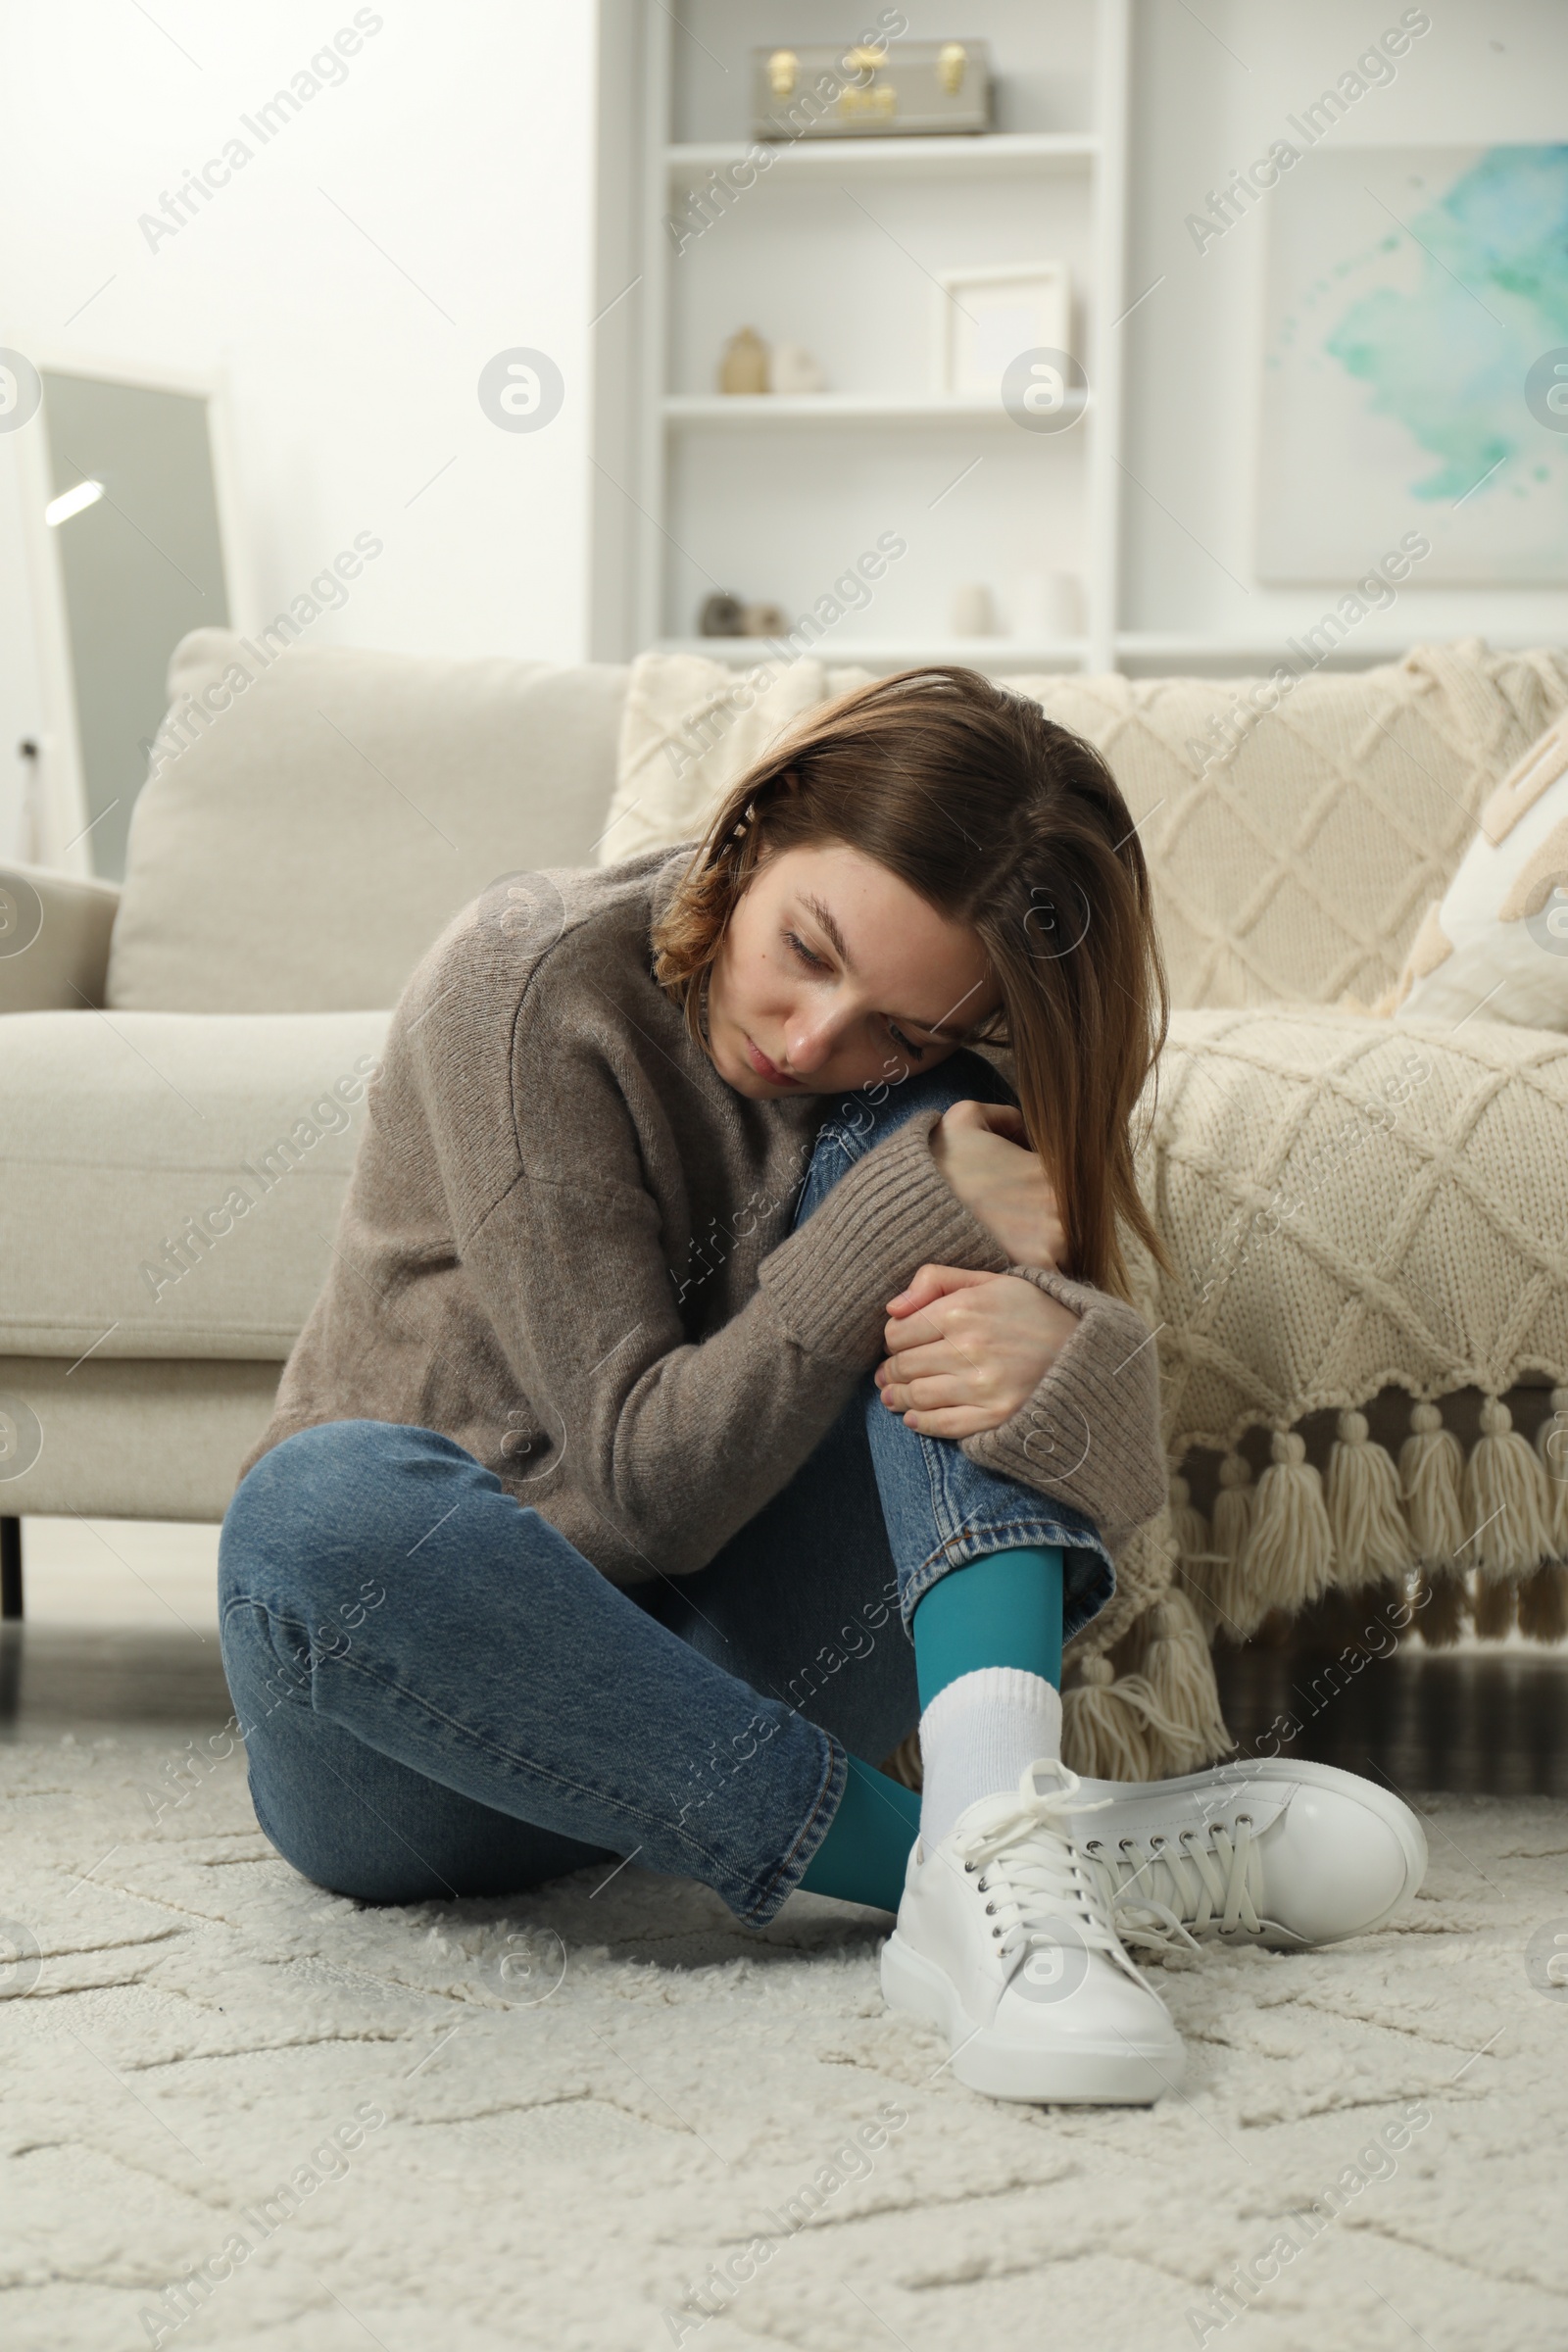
x: 766, y: 1068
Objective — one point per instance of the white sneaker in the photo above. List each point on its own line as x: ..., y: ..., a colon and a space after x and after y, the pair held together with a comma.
x: 1004, y: 1940
x: 1267, y: 1852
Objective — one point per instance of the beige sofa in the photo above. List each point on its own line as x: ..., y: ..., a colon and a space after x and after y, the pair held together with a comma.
x: 182, y: 1060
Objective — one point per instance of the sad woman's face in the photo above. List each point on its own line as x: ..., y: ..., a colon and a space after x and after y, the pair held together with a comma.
x: 834, y: 974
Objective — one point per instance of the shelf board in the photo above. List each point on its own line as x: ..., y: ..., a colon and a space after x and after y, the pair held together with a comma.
x: 1004, y: 154
x: 1268, y: 651
x: 745, y: 410
x: 1017, y: 653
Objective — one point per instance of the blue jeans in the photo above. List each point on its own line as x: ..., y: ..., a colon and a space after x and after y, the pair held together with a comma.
x: 441, y: 1696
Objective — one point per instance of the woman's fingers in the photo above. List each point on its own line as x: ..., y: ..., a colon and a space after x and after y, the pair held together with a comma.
x: 993, y: 1118
x: 922, y: 1380
x: 1006, y: 1118
x: 946, y: 1322
x: 929, y: 1400
x: 982, y: 1351
x: 919, y: 1331
x: 940, y: 1359
x: 933, y: 1283
x: 999, y: 1180
x: 928, y: 1393
x: 955, y: 1421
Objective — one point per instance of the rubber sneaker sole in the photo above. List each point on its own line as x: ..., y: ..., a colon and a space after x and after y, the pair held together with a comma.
x: 1078, y: 2073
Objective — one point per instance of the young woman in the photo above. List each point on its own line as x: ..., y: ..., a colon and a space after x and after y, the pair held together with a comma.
x: 708, y: 1318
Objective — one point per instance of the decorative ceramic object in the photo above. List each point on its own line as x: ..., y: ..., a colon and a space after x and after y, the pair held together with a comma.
x: 764, y: 620
x: 722, y: 615
x: 744, y: 365
x: 1046, y: 606
x: 972, y: 614
x: 791, y: 368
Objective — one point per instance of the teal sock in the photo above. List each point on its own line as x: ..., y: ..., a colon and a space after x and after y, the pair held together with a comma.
x: 867, y: 1850
x: 1001, y: 1610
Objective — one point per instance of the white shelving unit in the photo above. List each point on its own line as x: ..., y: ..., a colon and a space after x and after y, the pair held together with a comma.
x: 837, y: 246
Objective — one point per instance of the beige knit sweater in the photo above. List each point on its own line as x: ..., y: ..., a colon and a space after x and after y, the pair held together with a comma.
x: 566, y: 1245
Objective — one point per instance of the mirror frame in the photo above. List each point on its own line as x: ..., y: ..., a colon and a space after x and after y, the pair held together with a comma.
x: 61, y: 812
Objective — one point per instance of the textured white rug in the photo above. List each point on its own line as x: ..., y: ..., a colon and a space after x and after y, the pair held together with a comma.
x: 544, y: 2123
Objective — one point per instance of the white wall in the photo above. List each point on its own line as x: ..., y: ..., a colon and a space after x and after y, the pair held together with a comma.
x: 1211, y: 87
x: 461, y: 145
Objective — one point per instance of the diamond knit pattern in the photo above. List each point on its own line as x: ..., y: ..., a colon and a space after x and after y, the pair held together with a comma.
x: 1298, y: 865
x: 1353, y: 1204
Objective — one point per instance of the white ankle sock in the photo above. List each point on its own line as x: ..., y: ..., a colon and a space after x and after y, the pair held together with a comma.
x: 978, y: 1736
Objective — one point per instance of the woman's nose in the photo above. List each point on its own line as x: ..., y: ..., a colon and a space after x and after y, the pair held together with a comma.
x: 808, y: 1043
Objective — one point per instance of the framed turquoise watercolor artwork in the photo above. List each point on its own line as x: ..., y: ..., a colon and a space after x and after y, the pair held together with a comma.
x: 1414, y: 370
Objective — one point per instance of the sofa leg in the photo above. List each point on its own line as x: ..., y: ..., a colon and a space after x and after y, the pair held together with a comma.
x: 10, y: 1567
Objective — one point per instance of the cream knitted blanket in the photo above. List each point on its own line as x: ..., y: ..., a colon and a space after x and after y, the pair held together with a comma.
x: 1353, y: 1204
x: 1357, y: 1204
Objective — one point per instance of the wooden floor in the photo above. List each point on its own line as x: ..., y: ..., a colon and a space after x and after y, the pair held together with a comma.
x: 1490, y: 1721
x: 1484, y: 1721
x: 87, y: 1677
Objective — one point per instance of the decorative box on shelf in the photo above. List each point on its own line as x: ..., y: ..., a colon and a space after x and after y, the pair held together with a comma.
x: 871, y: 91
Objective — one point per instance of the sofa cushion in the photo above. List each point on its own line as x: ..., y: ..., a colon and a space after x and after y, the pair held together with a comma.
x: 1297, y: 825
x: 109, y: 1438
x: 170, y: 1183
x: 689, y: 726
x: 331, y: 809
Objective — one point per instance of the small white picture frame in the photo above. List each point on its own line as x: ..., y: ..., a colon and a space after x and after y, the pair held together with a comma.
x: 985, y: 317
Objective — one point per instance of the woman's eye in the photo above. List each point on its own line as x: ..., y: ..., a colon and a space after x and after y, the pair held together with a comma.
x: 813, y: 962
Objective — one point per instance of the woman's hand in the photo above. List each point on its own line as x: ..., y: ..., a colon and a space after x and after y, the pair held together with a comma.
x: 980, y: 1148
x: 965, y: 1350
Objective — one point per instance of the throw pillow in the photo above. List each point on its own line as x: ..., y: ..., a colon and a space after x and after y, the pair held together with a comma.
x: 1496, y: 942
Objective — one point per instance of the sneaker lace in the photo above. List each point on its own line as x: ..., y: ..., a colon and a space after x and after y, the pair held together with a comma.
x: 1041, y: 1887
x: 1212, y: 1878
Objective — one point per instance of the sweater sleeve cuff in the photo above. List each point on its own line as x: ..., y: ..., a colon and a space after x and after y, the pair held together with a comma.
x: 894, y: 1213
x: 1090, y: 1435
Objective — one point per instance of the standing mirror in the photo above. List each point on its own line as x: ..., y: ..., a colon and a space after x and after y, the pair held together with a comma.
x: 131, y: 515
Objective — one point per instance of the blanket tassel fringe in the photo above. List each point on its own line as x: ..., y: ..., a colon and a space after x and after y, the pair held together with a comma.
x: 1484, y: 1536
x: 1477, y: 1540
x: 1159, y: 1717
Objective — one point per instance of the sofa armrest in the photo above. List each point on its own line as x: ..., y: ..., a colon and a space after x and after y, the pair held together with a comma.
x: 54, y: 939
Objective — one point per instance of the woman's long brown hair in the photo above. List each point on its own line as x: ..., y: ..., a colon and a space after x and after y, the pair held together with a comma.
x: 1013, y: 826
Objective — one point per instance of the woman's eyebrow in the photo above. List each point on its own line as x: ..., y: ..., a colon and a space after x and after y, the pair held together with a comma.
x: 824, y: 919
x: 826, y: 923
